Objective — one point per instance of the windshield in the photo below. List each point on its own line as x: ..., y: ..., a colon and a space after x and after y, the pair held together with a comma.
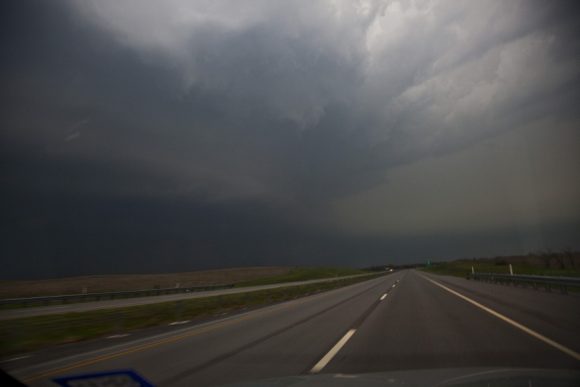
x: 211, y: 192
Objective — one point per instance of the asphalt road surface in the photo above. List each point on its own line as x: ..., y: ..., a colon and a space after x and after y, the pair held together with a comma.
x: 406, y: 320
x: 125, y: 302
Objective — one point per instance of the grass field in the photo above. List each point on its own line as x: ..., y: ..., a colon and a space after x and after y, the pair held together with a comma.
x: 533, y: 265
x: 247, y: 276
x: 31, y: 333
x: 123, y: 282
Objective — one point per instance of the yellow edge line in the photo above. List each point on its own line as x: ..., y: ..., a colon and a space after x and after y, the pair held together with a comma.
x: 138, y: 348
x: 508, y: 320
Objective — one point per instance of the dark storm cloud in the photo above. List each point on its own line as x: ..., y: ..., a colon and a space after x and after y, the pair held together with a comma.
x: 166, y: 136
x: 364, y: 87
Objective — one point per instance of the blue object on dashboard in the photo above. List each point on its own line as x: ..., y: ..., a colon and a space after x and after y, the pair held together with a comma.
x: 119, y: 378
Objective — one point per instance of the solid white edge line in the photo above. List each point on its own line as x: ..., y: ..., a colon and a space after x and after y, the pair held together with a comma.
x: 508, y: 320
x: 383, y: 297
x: 332, y: 353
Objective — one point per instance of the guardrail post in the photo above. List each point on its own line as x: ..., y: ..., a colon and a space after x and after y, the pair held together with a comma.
x: 523, y: 280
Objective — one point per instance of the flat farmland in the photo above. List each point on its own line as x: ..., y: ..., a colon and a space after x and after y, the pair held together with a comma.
x: 122, y: 282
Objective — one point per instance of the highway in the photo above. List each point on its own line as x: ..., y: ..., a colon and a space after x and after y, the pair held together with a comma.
x: 125, y: 302
x: 403, y: 321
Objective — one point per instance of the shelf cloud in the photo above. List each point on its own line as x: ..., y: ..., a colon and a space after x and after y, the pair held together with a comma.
x: 147, y: 136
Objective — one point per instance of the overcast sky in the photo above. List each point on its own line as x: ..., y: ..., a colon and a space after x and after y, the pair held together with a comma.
x: 157, y: 136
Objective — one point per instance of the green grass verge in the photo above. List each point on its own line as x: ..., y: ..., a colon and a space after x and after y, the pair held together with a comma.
x: 32, y: 333
x: 462, y: 268
x: 303, y: 274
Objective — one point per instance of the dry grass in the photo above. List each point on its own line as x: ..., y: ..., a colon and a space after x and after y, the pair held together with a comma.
x: 112, y: 283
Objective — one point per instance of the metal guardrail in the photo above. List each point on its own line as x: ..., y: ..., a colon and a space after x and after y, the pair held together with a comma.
x: 86, y: 297
x: 548, y: 282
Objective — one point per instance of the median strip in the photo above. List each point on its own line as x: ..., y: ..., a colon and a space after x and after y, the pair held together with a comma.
x: 159, y: 341
x: 31, y: 333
